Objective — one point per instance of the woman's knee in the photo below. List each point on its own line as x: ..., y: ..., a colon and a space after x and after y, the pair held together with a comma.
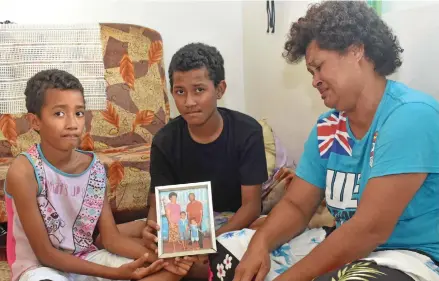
x: 365, y: 270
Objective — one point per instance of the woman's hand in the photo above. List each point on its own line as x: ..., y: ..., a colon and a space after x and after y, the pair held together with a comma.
x: 149, y: 235
x: 254, y: 265
x: 136, y: 270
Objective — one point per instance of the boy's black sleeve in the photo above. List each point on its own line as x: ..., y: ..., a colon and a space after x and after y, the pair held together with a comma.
x: 253, y: 163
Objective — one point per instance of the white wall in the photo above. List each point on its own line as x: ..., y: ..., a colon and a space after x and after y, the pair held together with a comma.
x: 179, y: 22
x: 283, y: 93
x: 275, y: 90
x: 416, y: 25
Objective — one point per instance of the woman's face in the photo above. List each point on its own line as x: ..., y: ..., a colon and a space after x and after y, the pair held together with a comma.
x: 336, y: 76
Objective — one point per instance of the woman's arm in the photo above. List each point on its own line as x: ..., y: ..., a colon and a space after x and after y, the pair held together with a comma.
x: 382, y: 203
x: 249, y: 211
x: 168, y: 215
x: 22, y: 185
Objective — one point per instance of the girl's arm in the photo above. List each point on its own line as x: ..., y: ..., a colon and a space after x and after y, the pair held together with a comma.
x: 116, y: 243
x: 23, y: 187
x: 168, y: 215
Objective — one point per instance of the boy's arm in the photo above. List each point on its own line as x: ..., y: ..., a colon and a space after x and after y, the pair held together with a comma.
x: 22, y: 186
x: 247, y: 213
x: 161, y: 174
x: 201, y: 220
x: 117, y: 243
x: 152, y: 215
x: 253, y: 172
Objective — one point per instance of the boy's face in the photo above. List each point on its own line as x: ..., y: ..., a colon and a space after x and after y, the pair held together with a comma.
x: 183, y: 215
x: 62, y: 119
x: 195, y: 95
x: 173, y: 198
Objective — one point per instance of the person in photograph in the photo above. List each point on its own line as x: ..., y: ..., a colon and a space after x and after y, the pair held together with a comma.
x: 195, y: 237
x: 173, y: 210
x: 194, y: 210
x: 183, y: 228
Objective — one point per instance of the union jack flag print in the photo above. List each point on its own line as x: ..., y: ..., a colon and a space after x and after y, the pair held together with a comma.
x: 333, y: 137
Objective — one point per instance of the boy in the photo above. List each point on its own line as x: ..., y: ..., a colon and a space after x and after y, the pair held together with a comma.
x: 194, y: 233
x: 207, y: 143
x: 183, y: 228
x: 50, y: 230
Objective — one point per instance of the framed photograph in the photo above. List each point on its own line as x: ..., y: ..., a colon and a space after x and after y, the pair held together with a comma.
x: 185, y: 216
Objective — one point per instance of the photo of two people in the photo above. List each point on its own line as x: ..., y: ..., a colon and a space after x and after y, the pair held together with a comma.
x: 186, y: 220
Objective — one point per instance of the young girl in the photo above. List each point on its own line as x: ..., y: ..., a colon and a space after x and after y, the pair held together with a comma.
x: 56, y: 197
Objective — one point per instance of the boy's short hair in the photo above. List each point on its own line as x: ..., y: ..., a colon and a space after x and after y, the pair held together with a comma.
x: 172, y: 194
x: 38, y: 85
x: 182, y: 213
x: 196, y: 56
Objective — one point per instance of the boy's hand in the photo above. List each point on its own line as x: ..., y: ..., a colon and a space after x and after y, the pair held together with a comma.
x: 136, y: 270
x: 180, y: 266
x: 149, y: 235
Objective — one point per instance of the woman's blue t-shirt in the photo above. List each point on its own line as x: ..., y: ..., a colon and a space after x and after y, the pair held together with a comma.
x: 403, y: 138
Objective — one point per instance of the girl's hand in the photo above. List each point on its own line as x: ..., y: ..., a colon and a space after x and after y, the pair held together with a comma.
x: 136, y: 269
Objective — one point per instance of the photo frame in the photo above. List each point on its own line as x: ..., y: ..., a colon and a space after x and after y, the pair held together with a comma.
x: 185, y: 217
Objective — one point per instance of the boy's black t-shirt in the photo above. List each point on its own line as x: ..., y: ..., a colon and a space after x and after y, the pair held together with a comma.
x: 235, y: 158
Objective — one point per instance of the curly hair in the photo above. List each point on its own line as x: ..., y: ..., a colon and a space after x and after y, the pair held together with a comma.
x: 44, y: 80
x: 336, y: 25
x: 196, y: 56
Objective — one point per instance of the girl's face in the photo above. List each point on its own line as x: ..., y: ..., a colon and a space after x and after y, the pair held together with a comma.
x: 62, y: 119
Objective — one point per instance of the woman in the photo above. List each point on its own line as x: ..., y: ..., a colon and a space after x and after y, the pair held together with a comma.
x: 374, y: 157
x: 173, y: 210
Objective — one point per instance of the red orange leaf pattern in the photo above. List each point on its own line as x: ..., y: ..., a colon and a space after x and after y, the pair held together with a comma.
x: 87, y: 142
x: 115, y: 174
x: 113, y: 150
x: 110, y: 115
x: 144, y: 117
x: 127, y: 70
x: 155, y: 52
x: 9, y: 128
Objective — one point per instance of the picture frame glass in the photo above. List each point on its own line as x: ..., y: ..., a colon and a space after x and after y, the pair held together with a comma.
x: 185, y: 217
